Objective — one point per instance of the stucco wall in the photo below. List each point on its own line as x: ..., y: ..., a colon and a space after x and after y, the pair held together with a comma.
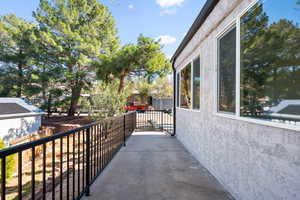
x: 18, y: 127
x: 252, y: 161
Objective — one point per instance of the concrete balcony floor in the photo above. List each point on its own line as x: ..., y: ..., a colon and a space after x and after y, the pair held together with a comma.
x: 154, y: 166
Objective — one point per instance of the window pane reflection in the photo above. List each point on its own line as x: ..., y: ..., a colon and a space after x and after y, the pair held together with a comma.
x: 196, y: 83
x: 185, y: 87
x: 227, y: 71
x: 270, y: 61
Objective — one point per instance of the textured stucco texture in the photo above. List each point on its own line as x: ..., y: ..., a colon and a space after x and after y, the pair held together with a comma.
x: 252, y: 161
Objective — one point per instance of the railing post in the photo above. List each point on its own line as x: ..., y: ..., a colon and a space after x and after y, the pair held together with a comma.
x: 88, y: 162
x: 132, y: 121
x: 124, y: 127
x: 3, y: 178
x: 162, y: 120
x: 135, y: 120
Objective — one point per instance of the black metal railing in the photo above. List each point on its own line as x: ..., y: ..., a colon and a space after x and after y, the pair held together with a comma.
x: 63, y: 166
x: 155, y: 120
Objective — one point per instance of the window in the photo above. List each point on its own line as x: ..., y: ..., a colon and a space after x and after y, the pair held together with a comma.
x: 227, y: 71
x: 196, y: 83
x: 270, y: 61
x: 185, y: 87
x: 177, y: 88
x: 188, y: 83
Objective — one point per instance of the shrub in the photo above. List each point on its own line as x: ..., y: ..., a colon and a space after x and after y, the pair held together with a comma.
x: 107, y: 101
x: 10, y: 162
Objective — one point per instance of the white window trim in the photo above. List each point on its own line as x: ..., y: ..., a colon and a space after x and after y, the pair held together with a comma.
x: 177, y: 92
x: 247, y: 9
x: 175, y: 87
x: 196, y: 109
x: 238, y: 68
x: 191, y: 61
x: 227, y: 28
x: 260, y: 122
x: 190, y: 110
x: 236, y: 115
x: 192, y: 85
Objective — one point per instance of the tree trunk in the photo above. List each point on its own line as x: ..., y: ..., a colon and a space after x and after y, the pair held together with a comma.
x: 76, y: 90
x: 122, y: 82
x: 49, y: 105
x: 20, y: 80
x: 44, y: 86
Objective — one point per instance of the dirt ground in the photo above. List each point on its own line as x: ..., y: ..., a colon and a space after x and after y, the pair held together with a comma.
x: 58, y: 124
x: 66, y: 119
x: 65, y: 123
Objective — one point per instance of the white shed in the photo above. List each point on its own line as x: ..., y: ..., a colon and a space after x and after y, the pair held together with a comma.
x: 18, y: 118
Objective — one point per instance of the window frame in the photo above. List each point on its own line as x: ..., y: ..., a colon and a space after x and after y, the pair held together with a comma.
x: 178, y: 94
x: 192, y: 82
x: 227, y: 29
x: 180, y: 69
x: 236, y: 116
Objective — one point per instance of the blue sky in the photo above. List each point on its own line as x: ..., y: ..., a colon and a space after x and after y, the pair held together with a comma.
x: 275, y: 8
x: 168, y: 19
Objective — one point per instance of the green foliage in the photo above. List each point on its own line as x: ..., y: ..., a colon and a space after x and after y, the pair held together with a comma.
x: 144, y: 89
x: 74, y: 33
x: 85, y: 104
x: 62, y: 104
x: 107, y: 101
x: 10, y: 162
x: 185, y: 86
x: 58, y: 56
x: 142, y: 59
x: 16, y: 52
x: 162, y: 88
x: 8, y: 85
x: 27, y: 67
x: 51, y: 81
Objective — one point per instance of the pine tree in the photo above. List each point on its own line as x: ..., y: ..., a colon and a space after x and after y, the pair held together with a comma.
x: 75, y: 33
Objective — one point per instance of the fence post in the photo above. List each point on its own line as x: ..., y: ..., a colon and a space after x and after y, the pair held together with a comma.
x: 124, y: 127
x: 135, y: 120
x: 162, y: 120
x: 88, y: 162
x: 3, y: 178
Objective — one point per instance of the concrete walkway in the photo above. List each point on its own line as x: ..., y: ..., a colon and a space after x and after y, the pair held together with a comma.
x: 155, y: 166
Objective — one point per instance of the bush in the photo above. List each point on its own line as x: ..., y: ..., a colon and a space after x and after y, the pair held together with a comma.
x: 106, y: 101
x: 10, y: 162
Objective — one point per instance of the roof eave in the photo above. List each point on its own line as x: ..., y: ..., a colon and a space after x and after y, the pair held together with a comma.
x: 204, y: 13
x: 20, y: 115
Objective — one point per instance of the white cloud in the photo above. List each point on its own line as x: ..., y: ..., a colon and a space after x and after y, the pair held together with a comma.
x: 169, y: 57
x: 166, y: 39
x: 169, y: 3
x: 168, y: 12
x: 130, y: 6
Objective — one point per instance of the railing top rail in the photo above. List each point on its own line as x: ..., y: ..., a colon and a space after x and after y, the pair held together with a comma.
x: 153, y: 110
x: 22, y: 147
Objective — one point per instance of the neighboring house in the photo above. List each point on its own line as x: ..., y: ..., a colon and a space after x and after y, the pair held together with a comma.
x: 18, y: 119
x: 162, y: 103
x: 136, y: 98
x: 238, y: 61
x: 289, y: 109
